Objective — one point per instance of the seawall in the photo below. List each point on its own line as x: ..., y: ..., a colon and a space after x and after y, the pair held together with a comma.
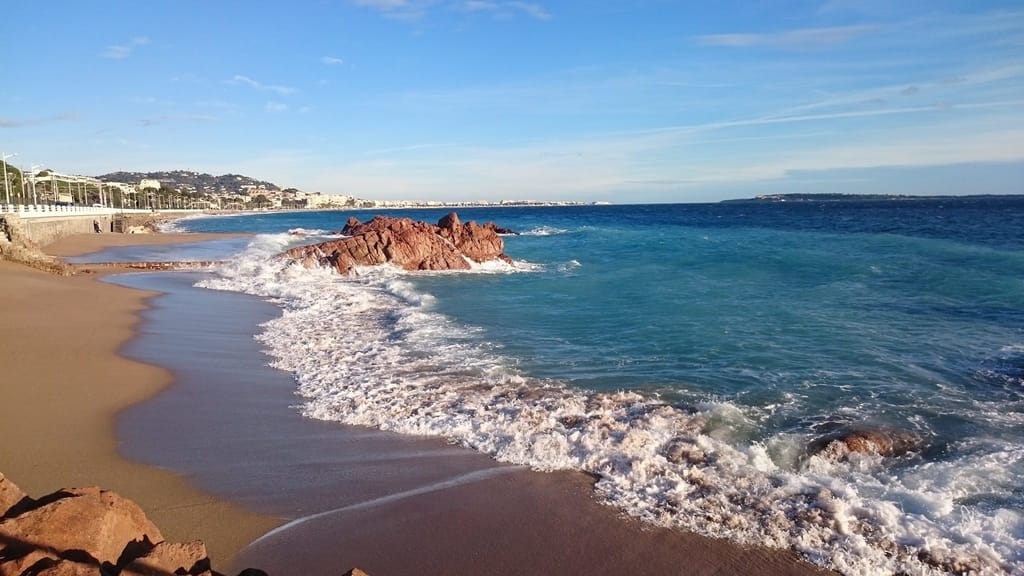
x: 41, y: 228
x: 43, y: 231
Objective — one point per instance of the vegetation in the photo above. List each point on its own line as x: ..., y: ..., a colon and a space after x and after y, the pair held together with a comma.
x: 15, y: 182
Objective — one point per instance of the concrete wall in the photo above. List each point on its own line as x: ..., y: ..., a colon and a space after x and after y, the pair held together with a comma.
x: 45, y: 231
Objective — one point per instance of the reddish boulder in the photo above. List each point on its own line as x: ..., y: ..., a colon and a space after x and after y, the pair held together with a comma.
x: 97, y: 526
x: 170, y: 558
x: 405, y: 243
x: 66, y: 568
x: 10, y: 495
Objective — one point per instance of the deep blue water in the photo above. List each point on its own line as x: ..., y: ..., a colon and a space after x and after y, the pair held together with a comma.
x: 767, y: 324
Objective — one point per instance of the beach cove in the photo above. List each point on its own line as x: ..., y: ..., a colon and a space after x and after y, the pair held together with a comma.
x: 232, y: 471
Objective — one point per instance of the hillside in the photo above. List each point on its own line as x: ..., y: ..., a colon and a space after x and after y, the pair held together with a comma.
x: 185, y: 180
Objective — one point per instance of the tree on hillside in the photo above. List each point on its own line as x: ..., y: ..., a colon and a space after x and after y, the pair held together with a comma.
x: 15, y: 183
x: 260, y: 201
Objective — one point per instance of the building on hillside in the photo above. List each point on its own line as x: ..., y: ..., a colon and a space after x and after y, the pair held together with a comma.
x: 149, y: 183
x: 318, y: 200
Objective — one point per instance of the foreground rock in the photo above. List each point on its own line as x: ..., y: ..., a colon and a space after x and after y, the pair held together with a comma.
x: 411, y: 245
x: 10, y: 496
x: 88, y: 531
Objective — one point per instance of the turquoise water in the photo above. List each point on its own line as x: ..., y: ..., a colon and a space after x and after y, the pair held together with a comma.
x: 743, y: 331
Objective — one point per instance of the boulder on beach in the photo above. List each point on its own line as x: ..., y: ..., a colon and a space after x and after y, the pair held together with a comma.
x: 87, y: 531
x: 411, y: 245
x: 10, y: 496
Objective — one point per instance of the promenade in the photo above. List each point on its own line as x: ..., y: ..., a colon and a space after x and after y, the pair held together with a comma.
x: 26, y: 211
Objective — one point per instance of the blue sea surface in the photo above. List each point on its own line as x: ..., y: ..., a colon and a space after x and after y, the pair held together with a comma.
x: 746, y: 331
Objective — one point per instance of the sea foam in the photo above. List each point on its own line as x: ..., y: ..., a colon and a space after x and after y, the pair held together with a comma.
x: 371, y: 350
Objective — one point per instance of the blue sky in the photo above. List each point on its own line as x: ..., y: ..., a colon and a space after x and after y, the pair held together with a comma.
x: 622, y: 101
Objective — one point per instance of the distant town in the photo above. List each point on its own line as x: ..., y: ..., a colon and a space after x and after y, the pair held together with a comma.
x: 183, y: 189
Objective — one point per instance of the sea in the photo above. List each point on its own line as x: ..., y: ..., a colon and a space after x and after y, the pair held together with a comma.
x: 693, y: 358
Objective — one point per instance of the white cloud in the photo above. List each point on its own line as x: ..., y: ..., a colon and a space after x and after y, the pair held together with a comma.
x: 397, y: 9
x: 530, y: 9
x: 13, y: 123
x: 276, y: 107
x: 506, y: 9
x: 480, y: 6
x: 122, y: 51
x: 331, y: 60
x: 382, y: 4
x: 790, y: 39
x: 241, y: 80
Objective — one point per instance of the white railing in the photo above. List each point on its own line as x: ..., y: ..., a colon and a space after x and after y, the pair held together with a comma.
x: 52, y: 211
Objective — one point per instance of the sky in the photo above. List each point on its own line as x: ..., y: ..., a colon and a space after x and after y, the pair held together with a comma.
x: 618, y: 101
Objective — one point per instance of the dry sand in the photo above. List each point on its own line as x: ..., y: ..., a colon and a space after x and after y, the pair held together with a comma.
x: 62, y: 384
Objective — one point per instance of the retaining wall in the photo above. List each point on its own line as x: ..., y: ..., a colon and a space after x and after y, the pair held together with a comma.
x: 43, y: 231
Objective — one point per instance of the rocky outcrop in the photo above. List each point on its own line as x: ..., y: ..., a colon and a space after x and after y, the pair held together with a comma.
x: 411, y: 245
x: 841, y: 445
x: 16, y: 247
x: 88, y: 531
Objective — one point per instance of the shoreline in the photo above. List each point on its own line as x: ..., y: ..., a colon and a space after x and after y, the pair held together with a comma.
x: 389, y: 504
x: 65, y: 384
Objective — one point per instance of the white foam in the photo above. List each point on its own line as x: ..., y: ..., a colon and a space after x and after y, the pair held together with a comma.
x: 371, y: 350
x: 308, y: 232
x: 544, y: 231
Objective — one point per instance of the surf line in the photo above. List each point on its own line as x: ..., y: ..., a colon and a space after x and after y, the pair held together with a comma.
x: 467, y: 478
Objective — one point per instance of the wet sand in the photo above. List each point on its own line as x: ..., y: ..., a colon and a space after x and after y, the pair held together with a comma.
x: 63, y: 385
x: 346, y: 496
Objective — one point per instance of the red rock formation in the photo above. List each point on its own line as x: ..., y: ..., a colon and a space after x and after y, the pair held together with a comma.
x: 95, y: 524
x: 406, y: 243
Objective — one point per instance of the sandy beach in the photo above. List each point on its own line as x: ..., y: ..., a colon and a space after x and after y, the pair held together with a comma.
x: 317, y: 498
x: 64, y: 384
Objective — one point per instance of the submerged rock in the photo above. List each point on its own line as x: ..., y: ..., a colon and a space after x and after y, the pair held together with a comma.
x: 406, y: 243
x: 881, y: 442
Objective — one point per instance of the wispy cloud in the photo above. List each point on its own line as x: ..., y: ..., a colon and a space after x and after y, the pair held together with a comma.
x: 122, y: 51
x: 331, y: 60
x: 415, y: 10
x: 12, y: 123
x: 164, y: 118
x: 506, y: 9
x: 276, y: 107
x: 530, y: 9
x: 384, y: 5
x: 788, y: 39
x: 240, y: 80
x: 398, y: 9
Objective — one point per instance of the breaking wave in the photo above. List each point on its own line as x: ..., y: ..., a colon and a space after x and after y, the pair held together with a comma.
x: 371, y: 350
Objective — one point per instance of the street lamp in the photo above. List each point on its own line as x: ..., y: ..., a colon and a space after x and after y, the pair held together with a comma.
x: 35, y: 198
x: 7, y: 185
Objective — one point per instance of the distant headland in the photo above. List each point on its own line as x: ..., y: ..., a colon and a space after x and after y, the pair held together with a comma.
x: 862, y: 198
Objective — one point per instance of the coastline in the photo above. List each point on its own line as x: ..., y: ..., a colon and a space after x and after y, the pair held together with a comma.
x: 65, y: 383
x: 433, y: 508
